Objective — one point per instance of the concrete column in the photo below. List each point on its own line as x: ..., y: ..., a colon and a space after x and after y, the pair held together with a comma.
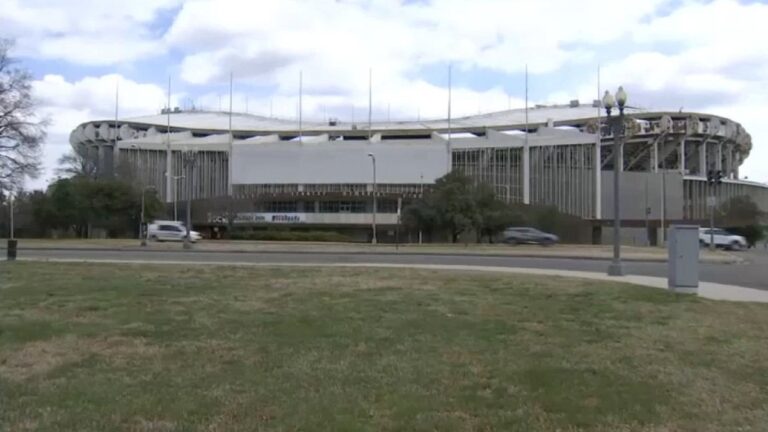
x: 719, y: 160
x: 682, y: 156
x: 729, y: 162
x: 703, y: 159
x: 655, y: 157
x: 598, y: 180
x: 526, y: 174
x: 101, y: 157
x: 168, y: 172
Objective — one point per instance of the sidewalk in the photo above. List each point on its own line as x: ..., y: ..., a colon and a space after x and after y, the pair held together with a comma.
x: 597, y: 252
x: 707, y: 290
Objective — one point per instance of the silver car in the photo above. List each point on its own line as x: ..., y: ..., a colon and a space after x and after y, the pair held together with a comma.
x: 527, y: 235
x: 169, y: 231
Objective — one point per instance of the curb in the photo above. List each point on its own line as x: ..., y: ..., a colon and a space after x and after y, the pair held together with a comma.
x: 732, y: 261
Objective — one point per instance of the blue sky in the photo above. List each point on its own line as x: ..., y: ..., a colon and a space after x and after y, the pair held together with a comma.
x: 667, y: 53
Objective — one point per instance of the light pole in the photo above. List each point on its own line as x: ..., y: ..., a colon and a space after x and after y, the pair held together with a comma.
x: 617, y: 129
x: 12, y: 242
x: 373, y: 160
x: 176, y: 196
x: 421, y: 197
x: 189, y: 163
x: 10, y: 204
x: 143, y: 232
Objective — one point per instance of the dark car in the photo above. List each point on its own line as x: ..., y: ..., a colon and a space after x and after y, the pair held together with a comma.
x: 526, y: 235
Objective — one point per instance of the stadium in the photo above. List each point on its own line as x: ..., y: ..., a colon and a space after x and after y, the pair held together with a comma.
x: 260, y: 171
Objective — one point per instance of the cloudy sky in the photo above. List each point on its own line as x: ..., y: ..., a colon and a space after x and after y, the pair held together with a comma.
x: 706, y: 56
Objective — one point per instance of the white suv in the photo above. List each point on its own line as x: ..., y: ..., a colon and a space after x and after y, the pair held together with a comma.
x: 723, y: 239
x: 170, y: 231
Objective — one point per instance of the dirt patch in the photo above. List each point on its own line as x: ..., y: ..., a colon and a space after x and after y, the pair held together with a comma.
x: 40, y: 357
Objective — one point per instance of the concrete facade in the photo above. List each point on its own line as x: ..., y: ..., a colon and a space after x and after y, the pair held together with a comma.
x: 562, y: 157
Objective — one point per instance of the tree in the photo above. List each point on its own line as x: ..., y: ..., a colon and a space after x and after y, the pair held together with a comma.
x: 420, y: 216
x: 21, y: 130
x: 77, y: 163
x: 78, y: 205
x: 739, y: 211
x: 456, y: 204
x: 742, y: 216
x: 453, y: 202
x: 493, y: 214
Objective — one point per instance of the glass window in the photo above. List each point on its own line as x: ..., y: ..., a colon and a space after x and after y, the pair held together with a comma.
x: 329, y: 206
x: 281, y: 207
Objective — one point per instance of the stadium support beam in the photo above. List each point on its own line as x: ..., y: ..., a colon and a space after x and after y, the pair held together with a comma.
x: 719, y: 160
x: 681, y: 150
x: 729, y: 162
x: 703, y: 157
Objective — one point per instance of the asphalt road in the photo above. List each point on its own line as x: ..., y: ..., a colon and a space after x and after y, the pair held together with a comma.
x: 753, y: 273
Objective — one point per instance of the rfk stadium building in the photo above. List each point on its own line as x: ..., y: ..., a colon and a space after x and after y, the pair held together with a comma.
x: 266, y: 172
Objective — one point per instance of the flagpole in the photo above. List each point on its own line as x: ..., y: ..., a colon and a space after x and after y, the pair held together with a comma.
x: 230, y: 188
x: 596, y: 156
x: 168, y: 153
x: 526, y: 150
x: 301, y: 84
x: 115, y: 152
x: 448, y: 148
x: 370, y: 101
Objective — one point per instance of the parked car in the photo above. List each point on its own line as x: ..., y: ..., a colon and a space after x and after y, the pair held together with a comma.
x: 722, y: 239
x: 526, y: 235
x: 170, y: 231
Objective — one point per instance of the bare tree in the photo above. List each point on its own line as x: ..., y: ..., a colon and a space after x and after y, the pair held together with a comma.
x: 22, y: 131
x: 77, y: 163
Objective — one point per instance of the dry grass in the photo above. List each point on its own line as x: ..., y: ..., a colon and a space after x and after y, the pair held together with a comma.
x: 156, y: 348
x: 38, y: 358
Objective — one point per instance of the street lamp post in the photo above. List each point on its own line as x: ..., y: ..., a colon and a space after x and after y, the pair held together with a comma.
x: 176, y: 196
x: 175, y: 188
x: 373, y: 226
x: 189, y: 163
x: 12, y: 242
x: 617, y: 128
x: 143, y: 232
x: 10, y: 205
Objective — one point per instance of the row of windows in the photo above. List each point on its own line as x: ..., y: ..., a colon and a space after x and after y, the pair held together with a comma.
x: 365, y: 206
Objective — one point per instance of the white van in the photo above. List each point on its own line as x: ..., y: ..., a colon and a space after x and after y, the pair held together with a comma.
x: 162, y: 230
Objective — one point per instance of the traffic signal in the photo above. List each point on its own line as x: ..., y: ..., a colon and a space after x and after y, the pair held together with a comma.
x: 718, y: 177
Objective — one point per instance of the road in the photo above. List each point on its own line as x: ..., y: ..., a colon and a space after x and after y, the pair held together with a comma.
x: 753, y: 273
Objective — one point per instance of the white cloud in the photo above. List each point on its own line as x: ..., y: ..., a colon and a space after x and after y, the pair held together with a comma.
x: 701, y: 55
x: 713, y: 61
x: 89, y: 32
x: 68, y: 104
x: 332, y: 38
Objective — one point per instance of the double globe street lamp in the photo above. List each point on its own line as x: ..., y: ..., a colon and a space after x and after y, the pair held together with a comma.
x: 616, y: 124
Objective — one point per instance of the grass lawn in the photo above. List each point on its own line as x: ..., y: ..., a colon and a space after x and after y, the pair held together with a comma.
x: 158, y: 348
